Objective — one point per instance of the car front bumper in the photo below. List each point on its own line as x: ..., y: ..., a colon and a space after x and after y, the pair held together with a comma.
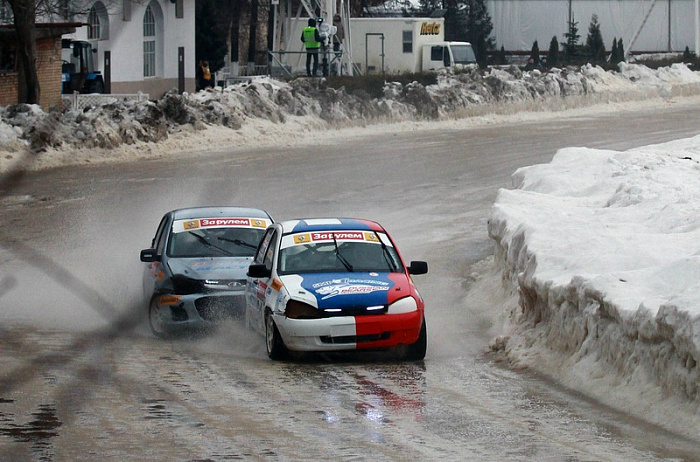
x: 350, y: 332
x: 201, y: 310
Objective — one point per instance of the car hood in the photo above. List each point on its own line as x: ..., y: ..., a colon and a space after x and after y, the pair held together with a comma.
x: 337, y: 290
x: 211, y: 268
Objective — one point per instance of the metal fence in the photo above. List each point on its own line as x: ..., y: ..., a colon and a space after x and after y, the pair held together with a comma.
x: 235, y: 73
x: 77, y: 101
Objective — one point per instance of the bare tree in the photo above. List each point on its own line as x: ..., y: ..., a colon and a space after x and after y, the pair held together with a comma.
x: 25, y: 13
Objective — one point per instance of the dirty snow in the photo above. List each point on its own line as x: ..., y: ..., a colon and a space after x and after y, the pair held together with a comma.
x: 599, y: 251
x: 267, y: 112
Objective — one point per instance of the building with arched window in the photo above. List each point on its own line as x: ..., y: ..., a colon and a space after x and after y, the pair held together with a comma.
x: 145, y: 46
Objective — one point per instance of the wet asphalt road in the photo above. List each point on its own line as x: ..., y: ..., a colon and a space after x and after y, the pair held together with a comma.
x: 83, y: 379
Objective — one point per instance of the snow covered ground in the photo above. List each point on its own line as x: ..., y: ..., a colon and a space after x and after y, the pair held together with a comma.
x: 599, y: 251
x: 602, y: 251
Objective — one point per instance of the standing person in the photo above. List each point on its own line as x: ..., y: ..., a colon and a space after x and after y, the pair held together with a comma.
x: 339, y: 34
x: 204, y: 75
x: 312, y: 41
x: 338, y: 38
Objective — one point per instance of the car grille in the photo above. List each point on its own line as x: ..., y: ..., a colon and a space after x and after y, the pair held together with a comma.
x: 217, y: 308
x: 354, y: 311
x: 355, y: 338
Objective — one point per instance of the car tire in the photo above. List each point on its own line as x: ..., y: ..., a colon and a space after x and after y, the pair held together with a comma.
x: 273, y: 340
x: 156, y: 319
x: 416, y: 351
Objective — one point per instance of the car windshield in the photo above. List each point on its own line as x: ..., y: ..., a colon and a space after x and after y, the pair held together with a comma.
x: 215, y: 242
x: 463, y: 54
x: 334, y: 256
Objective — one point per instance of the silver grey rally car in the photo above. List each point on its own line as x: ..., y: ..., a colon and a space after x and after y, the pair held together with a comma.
x: 195, y: 272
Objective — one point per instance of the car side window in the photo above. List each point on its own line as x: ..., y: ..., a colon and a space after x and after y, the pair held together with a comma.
x: 270, y: 252
x: 159, y: 240
x: 264, y: 244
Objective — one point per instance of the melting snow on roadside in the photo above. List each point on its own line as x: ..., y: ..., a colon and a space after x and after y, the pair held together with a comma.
x: 602, y: 249
x: 248, y: 114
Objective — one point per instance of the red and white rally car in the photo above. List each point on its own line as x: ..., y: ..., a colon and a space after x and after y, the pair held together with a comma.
x: 333, y: 284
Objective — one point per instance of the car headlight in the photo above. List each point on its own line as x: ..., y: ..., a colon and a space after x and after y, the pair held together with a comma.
x: 300, y: 310
x: 404, y: 305
x: 183, y: 285
x: 228, y: 284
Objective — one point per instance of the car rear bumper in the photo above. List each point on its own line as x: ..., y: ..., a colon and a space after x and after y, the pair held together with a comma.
x: 350, y: 332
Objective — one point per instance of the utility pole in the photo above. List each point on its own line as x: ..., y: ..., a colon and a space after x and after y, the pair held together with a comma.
x: 697, y: 27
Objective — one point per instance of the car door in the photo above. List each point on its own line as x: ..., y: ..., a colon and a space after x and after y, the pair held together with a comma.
x: 154, y: 272
x: 257, y: 287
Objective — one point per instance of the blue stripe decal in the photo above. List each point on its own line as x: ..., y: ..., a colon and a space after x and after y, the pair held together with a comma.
x: 337, y: 290
x: 344, y: 224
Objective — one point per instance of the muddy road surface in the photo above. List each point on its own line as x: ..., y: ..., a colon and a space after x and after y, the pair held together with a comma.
x: 82, y: 378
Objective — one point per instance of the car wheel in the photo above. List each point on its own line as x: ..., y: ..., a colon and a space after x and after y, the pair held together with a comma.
x: 416, y: 351
x: 273, y: 340
x: 156, y: 319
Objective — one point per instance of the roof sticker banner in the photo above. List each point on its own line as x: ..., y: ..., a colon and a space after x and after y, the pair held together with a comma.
x: 338, y: 236
x: 233, y: 222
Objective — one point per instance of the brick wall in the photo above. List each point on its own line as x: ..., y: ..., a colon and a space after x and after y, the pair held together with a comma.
x: 48, y: 63
x: 8, y: 88
x: 48, y: 67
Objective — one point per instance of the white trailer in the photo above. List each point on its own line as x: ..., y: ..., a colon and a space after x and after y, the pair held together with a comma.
x: 394, y: 45
x: 385, y: 45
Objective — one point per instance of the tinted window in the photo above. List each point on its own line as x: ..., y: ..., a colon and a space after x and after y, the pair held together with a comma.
x: 436, y: 53
x: 347, y: 256
x: 215, y: 242
x: 158, y: 242
x: 264, y: 245
x: 407, y: 36
x: 463, y: 54
x: 270, y: 252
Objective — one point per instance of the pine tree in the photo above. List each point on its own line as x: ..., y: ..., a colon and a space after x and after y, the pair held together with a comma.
x: 553, y: 52
x: 687, y: 54
x: 500, y: 56
x: 620, y: 50
x: 614, y: 55
x: 469, y: 20
x: 210, y: 35
x: 594, y: 41
x: 534, y: 54
x: 572, y: 37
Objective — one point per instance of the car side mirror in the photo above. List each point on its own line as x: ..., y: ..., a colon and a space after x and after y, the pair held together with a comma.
x: 418, y: 267
x: 259, y: 271
x: 148, y: 255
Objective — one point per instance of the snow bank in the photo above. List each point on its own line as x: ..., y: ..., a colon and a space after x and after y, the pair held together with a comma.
x: 129, y: 130
x: 602, y: 249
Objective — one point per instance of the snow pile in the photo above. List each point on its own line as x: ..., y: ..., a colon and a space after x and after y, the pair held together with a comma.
x: 602, y: 249
x: 250, y: 109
